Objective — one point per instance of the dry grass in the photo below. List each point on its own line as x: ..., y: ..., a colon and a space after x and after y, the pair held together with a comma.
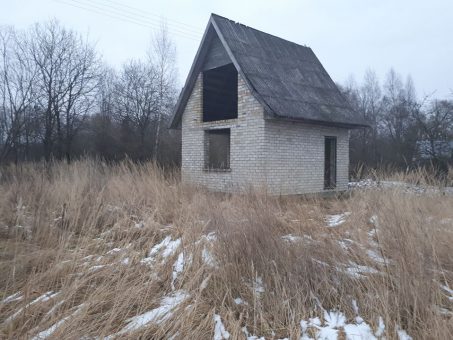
x: 58, y: 226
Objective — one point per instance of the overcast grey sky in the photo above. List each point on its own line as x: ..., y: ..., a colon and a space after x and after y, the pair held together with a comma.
x: 349, y: 36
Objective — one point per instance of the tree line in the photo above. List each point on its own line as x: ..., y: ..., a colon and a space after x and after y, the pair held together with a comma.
x: 59, y: 100
x: 405, y: 131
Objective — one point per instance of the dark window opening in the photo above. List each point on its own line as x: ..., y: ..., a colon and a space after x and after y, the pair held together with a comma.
x: 220, y: 93
x: 217, y: 149
x: 330, y: 162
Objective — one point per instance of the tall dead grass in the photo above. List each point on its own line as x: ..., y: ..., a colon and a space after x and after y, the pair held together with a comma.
x: 58, y: 227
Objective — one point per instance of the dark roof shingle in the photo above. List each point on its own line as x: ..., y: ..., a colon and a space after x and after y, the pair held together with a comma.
x: 286, y: 78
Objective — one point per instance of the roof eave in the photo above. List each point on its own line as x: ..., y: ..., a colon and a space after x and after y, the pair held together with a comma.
x: 344, y: 125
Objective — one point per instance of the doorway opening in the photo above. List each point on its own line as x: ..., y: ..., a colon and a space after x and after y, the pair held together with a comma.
x: 330, y: 162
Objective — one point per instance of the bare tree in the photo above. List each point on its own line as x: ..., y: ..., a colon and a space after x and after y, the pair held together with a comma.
x: 17, y: 77
x: 162, y: 57
x: 436, y: 125
x: 399, y: 105
x: 136, y: 99
x: 68, y: 73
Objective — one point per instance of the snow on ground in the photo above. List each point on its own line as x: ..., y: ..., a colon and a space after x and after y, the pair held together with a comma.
x: 178, y: 267
x: 208, y: 258
x: 48, y: 332
x: 448, y: 291
x: 332, y: 326
x: 239, y: 301
x: 292, y: 238
x: 14, y: 297
x: 402, y: 335
x: 357, y: 271
x: 336, y: 220
x: 258, y: 286
x: 43, y: 298
x: 407, y: 187
x: 167, y: 246
x: 333, y: 322
x: 249, y: 336
x: 220, y: 332
x: 156, y: 315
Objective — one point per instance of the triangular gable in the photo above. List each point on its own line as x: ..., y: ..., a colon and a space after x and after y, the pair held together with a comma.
x: 212, y: 52
x: 287, y: 79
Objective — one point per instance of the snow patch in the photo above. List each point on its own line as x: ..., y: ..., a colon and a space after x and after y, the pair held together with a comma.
x: 208, y: 258
x: 449, y: 292
x: 249, y: 336
x: 220, y: 332
x: 167, y: 246
x: 156, y: 315
x: 292, y: 238
x: 335, y: 321
x: 239, y: 301
x: 178, y: 267
x: 402, y: 335
x: 14, y: 297
x: 43, y: 298
x: 357, y: 271
x: 336, y: 220
x: 48, y: 332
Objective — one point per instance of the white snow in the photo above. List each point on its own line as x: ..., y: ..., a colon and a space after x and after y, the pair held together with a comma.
x: 208, y: 258
x: 335, y: 321
x: 358, y: 332
x: 178, y: 267
x: 375, y: 256
x: 167, y: 246
x: 381, y: 328
x: 402, y: 335
x: 139, y: 225
x: 48, y: 332
x: 374, y: 220
x: 114, y: 251
x: 171, y: 248
x: 239, y: 301
x: 14, y: 297
x: 211, y: 237
x: 249, y: 336
x: 156, y: 315
x: 336, y: 220
x: 156, y: 248
x: 356, y: 270
x: 43, y: 298
x: 220, y: 332
x: 449, y: 291
x: 292, y: 238
x: 258, y: 285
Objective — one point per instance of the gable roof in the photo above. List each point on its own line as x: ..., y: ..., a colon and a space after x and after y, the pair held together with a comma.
x: 287, y: 79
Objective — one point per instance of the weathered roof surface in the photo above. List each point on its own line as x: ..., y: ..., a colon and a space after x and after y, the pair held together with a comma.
x: 286, y: 78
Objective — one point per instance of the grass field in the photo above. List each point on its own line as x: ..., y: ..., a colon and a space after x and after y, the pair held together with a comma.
x: 96, y: 251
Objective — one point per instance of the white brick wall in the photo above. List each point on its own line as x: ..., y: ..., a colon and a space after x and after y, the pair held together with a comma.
x: 282, y: 157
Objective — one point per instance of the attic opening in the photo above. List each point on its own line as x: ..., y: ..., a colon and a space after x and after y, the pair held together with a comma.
x: 217, y: 149
x: 220, y: 93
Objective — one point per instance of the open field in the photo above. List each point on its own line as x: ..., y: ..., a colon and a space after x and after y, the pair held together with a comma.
x: 93, y: 251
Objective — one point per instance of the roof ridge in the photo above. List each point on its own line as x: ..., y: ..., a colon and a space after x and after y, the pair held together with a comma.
x: 262, y: 32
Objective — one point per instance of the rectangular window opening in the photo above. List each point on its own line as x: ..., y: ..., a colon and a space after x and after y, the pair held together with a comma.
x: 330, y: 163
x: 217, y: 149
x: 220, y: 93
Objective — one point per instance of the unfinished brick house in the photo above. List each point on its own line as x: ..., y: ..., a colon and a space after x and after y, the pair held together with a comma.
x: 259, y: 111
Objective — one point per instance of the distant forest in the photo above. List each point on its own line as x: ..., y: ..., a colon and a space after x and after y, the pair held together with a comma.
x: 60, y: 101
